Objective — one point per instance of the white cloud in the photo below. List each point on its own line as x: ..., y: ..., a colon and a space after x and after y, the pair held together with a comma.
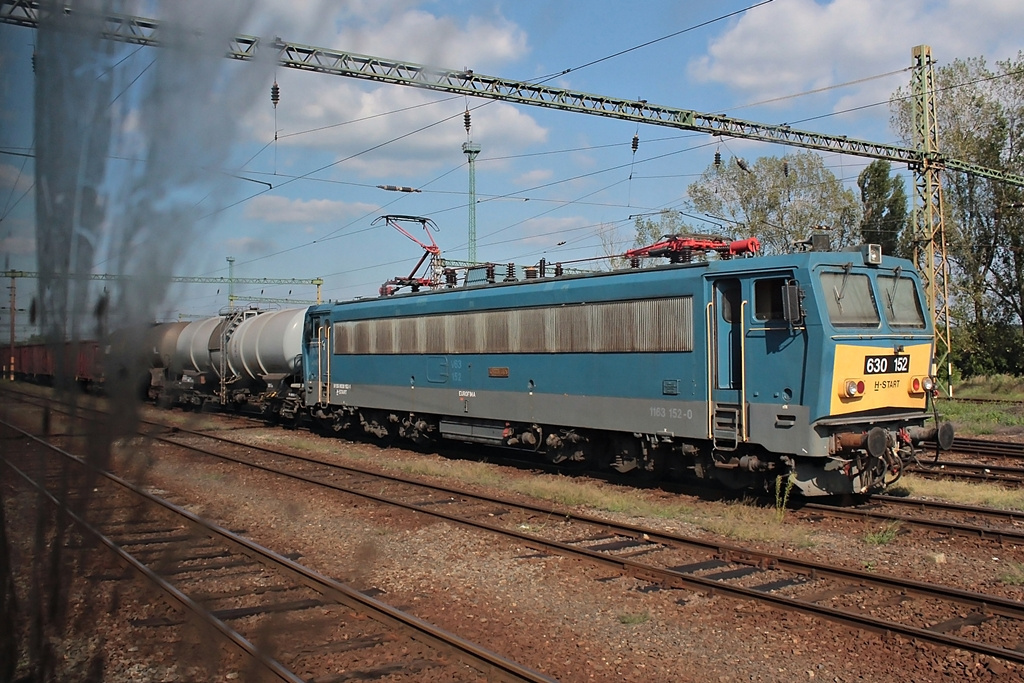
x: 418, y: 36
x: 792, y: 46
x: 249, y: 246
x: 385, y: 145
x: 534, y: 177
x: 274, y: 209
x: 344, y: 117
x: 548, y: 231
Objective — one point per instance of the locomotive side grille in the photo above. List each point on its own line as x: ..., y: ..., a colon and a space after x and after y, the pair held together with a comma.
x: 361, y: 336
x: 343, y: 342
x: 496, y: 330
x: 527, y: 331
x: 408, y: 335
x: 383, y: 336
x: 616, y: 327
x: 435, y: 334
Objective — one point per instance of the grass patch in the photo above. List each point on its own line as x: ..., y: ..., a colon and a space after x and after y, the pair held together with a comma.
x: 465, y: 471
x: 965, y: 493
x: 1003, y: 387
x: 884, y: 536
x: 977, y: 419
x: 633, y: 619
x: 1014, y: 575
x: 736, y: 520
x: 743, y: 521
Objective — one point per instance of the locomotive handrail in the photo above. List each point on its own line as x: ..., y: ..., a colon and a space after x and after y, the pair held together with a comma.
x: 924, y: 338
x: 743, y: 371
x: 708, y: 315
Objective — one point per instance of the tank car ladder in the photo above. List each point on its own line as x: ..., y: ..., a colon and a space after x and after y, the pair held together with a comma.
x: 234, y: 319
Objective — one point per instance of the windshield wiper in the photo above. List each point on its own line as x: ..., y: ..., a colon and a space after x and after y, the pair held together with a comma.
x: 842, y: 286
x: 891, y: 294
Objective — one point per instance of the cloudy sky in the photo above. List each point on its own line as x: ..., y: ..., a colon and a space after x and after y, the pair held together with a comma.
x: 301, y: 191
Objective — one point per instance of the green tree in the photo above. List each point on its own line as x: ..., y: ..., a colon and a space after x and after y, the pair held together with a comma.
x: 647, y: 231
x: 884, y: 205
x: 981, y: 119
x: 779, y: 200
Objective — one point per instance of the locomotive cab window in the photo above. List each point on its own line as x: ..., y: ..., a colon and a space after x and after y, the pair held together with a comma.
x: 900, y: 301
x: 768, y: 298
x: 850, y: 299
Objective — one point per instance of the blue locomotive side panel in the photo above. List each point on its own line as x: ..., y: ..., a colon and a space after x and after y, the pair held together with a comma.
x: 811, y: 366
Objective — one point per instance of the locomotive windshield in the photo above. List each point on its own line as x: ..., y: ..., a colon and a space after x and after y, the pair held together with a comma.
x: 900, y: 301
x: 850, y: 299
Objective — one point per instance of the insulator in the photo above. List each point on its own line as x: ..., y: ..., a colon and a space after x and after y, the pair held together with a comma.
x: 510, y: 272
x: 275, y: 94
x: 785, y: 169
x: 33, y: 62
x: 490, y: 273
x: 718, y: 158
x: 558, y: 270
x: 543, y: 265
x: 466, y: 119
x: 636, y: 142
x: 743, y: 165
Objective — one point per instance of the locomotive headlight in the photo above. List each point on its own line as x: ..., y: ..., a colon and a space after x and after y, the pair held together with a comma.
x: 920, y: 385
x: 852, y: 388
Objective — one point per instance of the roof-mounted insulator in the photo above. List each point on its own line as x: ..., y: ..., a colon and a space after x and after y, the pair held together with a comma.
x: 466, y: 119
x: 275, y: 94
x: 636, y: 142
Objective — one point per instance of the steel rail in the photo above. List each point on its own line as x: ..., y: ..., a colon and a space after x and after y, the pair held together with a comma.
x: 268, y: 663
x: 1000, y: 535
x: 495, y: 665
x: 985, y: 603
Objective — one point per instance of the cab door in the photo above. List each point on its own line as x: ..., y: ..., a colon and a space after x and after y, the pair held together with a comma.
x: 319, y: 354
x: 727, y: 372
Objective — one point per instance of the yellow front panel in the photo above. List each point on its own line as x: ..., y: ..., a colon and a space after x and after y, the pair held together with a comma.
x: 883, y: 386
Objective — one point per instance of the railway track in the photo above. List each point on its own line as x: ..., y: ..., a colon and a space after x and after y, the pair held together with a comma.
x: 971, y: 621
x: 1000, y: 526
x: 255, y: 599
x: 970, y: 471
x: 952, y: 617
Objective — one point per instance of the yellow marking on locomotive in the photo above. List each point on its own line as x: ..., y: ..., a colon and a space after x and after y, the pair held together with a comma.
x: 886, y: 381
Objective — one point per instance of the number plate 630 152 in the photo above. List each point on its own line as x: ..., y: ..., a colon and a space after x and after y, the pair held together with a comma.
x: 880, y: 365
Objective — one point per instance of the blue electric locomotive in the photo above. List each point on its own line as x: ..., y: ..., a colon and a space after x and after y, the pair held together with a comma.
x: 812, y: 366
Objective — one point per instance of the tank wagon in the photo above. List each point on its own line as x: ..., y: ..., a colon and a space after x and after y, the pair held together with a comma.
x: 813, y: 366
x: 240, y: 358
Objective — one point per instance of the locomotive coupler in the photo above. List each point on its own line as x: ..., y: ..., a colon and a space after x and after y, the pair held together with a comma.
x: 943, y: 434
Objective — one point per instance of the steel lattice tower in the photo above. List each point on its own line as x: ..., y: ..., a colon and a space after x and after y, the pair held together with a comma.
x: 471, y: 150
